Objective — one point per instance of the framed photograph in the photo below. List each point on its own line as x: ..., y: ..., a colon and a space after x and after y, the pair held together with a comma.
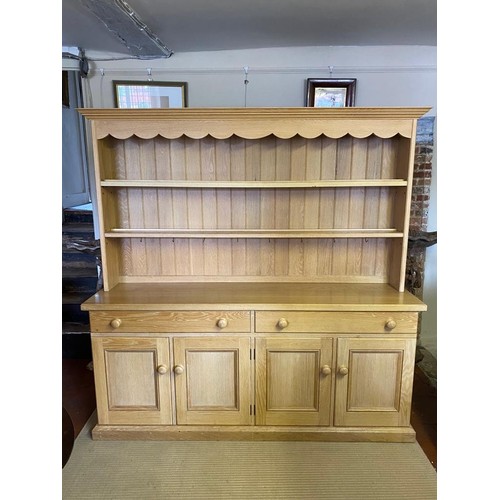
x: 149, y: 94
x: 330, y: 92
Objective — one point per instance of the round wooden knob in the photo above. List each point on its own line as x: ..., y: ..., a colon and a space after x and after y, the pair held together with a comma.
x: 178, y: 369
x: 326, y: 370
x: 115, y: 323
x: 390, y: 324
x: 343, y: 370
x: 282, y: 323
x: 222, y: 323
x: 162, y: 369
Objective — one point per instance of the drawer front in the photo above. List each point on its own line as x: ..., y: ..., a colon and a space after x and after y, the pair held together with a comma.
x: 335, y: 322
x: 170, y: 321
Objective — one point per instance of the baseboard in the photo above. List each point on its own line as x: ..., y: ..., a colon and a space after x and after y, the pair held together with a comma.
x: 251, y: 433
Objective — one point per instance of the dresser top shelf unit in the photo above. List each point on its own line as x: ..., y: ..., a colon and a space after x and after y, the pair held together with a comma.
x: 258, y: 195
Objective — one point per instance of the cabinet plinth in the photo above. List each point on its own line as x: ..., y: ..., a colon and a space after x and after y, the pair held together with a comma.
x: 253, y: 270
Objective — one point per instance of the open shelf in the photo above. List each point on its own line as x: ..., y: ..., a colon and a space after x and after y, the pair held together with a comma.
x: 254, y: 233
x: 187, y: 184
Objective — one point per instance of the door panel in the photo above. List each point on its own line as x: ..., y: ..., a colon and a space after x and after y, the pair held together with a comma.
x: 213, y: 380
x: 374, y: 382
x: 132, y: 380
x: 292, y: 388
x: 210, y: 365
x: 299, y: 369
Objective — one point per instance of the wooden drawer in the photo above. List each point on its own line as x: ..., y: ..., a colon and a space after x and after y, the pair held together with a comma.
x: 170, y: 321
x: 336, y: 322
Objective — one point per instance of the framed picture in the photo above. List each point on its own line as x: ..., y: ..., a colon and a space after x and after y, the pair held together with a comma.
x: 330, y: 92
x: 132, y: 94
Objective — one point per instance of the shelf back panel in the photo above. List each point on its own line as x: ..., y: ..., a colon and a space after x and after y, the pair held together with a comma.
x: 240, y: 209
x: 164, y: 259
x: 235, y: 158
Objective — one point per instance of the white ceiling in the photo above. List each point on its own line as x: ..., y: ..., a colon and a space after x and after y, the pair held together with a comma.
x: 200, y: 25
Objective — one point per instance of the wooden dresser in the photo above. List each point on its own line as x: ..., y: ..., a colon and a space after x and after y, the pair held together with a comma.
x: 254, y: 268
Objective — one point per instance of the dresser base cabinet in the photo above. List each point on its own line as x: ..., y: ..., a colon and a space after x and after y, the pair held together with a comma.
x: 214, y: 369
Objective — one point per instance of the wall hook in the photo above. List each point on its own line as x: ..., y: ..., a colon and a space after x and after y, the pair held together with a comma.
x: 245, y: 81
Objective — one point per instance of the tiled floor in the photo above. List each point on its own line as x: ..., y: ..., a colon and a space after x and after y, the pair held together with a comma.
x: 79, y: 402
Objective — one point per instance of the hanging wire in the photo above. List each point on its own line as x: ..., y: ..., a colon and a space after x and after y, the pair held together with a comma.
x: 245, y: 69
x: 100, y: 84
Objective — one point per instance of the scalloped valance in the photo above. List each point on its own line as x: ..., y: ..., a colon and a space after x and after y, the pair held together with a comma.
x: 253, y: 123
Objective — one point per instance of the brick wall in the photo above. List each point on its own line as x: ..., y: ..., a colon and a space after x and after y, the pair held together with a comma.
x: 422, y: 177
x: 422, y: 174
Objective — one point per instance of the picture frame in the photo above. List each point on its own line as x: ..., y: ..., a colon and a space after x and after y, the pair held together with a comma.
x: 149, y: 94
x: 330, y: 92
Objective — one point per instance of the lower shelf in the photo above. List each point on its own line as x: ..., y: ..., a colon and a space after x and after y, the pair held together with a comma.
x: 261, y: 433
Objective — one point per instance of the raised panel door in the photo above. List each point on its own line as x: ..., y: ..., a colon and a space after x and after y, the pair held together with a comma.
x: 213, y: 380
x: 293, y: 381
x: 132, y: 378
x: 374, y: 381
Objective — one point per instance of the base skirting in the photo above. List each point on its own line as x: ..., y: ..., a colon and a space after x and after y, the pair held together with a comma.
x: 261, y: 433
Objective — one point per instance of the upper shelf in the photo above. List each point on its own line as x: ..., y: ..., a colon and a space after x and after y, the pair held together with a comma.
x: 253, y: 123
x: 252, y: 184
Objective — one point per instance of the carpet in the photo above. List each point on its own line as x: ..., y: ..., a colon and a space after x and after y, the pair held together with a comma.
x: 151, y: 470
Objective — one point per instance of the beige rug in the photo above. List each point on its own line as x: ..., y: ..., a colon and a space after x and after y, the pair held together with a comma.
x: 152, y: 470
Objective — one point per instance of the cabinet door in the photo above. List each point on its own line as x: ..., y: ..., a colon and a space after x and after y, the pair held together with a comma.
x: 293, y: 381
x: 212, y: 380
x: 132, y: 377
x: 374, y: 382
